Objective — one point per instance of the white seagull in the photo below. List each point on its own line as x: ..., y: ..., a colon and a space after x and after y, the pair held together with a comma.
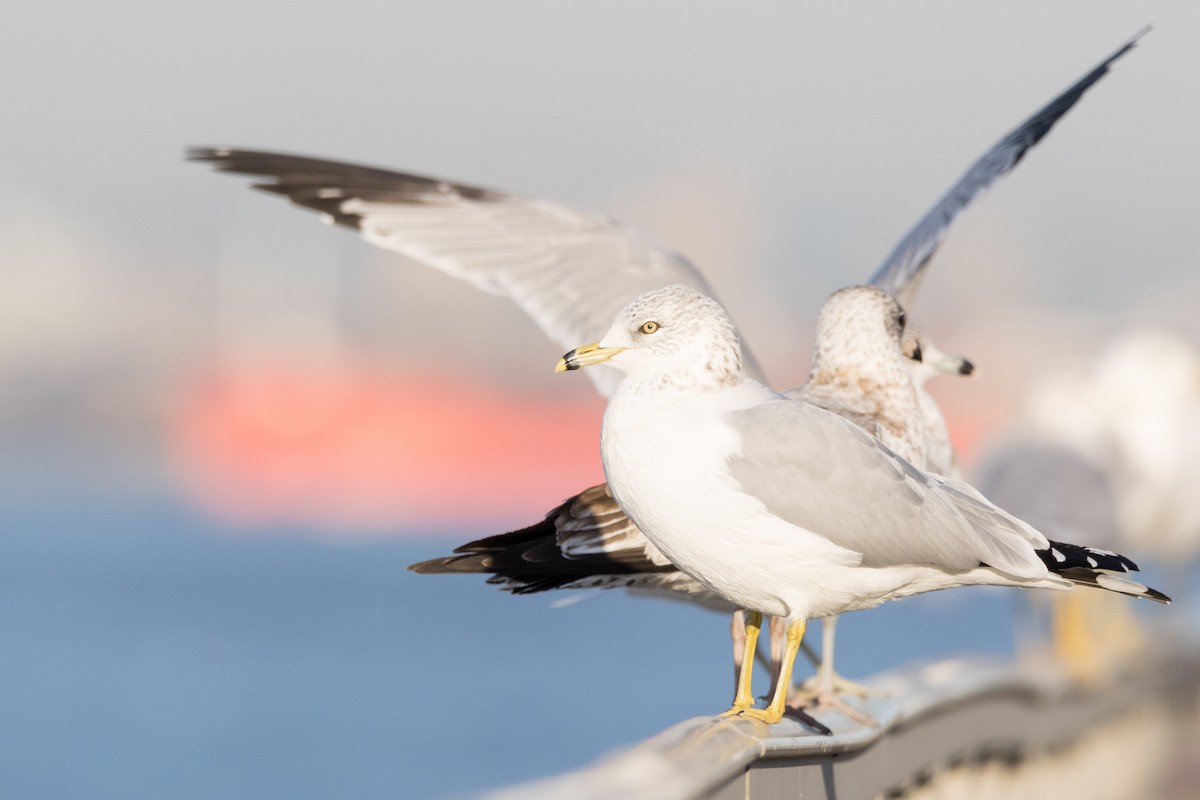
x: 784, y: 508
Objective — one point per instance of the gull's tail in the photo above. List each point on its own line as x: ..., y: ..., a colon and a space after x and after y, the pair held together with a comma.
x: 1102, y: 569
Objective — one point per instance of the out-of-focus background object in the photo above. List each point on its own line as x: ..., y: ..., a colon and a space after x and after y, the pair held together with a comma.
x: 222, y: 437
x: 1107, y: 449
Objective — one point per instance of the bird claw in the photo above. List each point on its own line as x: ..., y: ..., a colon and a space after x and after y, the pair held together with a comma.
x: 735, y: 709
x: 812, y: 696
x: 811, y: 688
x: 832, y: 702
x: 767, y: 715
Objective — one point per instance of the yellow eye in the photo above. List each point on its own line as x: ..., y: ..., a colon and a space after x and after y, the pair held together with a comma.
x: 649, y: 327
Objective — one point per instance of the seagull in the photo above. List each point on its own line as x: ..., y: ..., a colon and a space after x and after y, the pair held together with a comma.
x: 570, y: 271
x: 784, y: 508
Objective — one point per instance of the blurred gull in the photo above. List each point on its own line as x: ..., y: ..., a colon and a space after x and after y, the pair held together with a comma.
x: 1107, y: 451
x: 571, y: 271
x: 784, y: 508
x: 1135, y: 415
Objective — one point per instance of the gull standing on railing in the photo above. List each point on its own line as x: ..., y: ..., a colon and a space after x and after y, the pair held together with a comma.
x: 784, y: 508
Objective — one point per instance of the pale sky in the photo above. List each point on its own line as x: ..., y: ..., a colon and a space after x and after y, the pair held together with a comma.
x: 783, y: 146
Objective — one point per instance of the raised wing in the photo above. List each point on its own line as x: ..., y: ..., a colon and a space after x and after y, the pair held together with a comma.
x: 570, y: 271
x: 901, y: 272
x: 875, y: 504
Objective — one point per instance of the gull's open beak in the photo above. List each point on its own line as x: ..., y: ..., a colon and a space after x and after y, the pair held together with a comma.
x: 588, y: 354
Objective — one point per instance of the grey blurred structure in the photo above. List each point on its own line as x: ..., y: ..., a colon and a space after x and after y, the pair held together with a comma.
x: 1107, y: 449
x: 954, y: 729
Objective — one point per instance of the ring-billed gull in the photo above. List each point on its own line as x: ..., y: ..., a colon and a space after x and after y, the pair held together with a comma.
x: 784, y: 508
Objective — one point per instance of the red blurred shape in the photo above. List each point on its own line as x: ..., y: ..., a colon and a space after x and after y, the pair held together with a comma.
x: 360, y: 447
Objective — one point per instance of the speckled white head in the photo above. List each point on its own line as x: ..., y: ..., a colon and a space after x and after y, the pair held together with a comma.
x: 675, y: 335
x: 859, y: 332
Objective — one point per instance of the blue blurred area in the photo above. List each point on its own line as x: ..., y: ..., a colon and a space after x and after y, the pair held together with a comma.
x: 149, y: 653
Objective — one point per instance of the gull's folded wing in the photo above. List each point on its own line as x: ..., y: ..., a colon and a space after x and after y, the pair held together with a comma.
x: 787, y: 447
x: 569, y: 270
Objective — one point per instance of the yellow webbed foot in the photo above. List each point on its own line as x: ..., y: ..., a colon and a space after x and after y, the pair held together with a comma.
x: 735, y: 709
x: 811, y: 688
x: 817, y: 702
x: 768, y: 715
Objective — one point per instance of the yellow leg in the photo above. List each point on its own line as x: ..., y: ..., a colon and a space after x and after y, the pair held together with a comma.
x: 744, y: 698
x: 777, y: 636
x: 774, y: 712
x: 1073, y: 642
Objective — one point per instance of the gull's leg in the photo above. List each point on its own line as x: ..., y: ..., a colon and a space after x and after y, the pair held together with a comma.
x: 737, y: 634
x: 823, y: 691
x: 763, y: 660
x: 744, y: 699
x: 774, y: 712
x: 778, y: 634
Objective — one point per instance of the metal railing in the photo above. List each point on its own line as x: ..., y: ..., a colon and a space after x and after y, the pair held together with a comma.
x: 937, y: 719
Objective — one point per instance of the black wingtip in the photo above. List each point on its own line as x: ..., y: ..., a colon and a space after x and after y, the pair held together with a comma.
x: 194, y: 153
x: 1154, y: 594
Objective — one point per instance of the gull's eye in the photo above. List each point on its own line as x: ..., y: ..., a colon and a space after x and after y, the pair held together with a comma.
x: 902, y: 319
x: 648, y: 327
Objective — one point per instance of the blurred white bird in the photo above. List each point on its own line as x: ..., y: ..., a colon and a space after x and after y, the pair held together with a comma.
x: 1107, y: 452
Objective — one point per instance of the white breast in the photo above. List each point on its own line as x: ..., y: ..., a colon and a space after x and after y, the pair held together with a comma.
x: 659, y: 449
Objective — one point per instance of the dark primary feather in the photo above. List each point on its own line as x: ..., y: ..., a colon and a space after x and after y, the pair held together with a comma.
x: 324, y: 185
x: 900, y: 273
x: 585, y: 542
x: 1101, y: 569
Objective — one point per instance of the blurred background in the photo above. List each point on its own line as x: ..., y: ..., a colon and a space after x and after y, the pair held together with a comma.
x: 227, y: 428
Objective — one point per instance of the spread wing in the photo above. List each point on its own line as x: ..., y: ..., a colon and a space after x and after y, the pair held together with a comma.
x: 901, y: 271
x: 823, y: 473
x: 569, y: 270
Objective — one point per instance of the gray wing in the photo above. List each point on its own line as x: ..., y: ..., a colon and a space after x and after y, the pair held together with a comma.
x: 901, y: 271
x: 570, y: 271
x: 823, y: 473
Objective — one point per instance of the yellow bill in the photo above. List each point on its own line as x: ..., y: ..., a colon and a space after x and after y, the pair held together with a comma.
x: 585, y: 356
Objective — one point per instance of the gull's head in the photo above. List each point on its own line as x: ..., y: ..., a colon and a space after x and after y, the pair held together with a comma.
x: 859, y: 330
x: 926, y: 360
x: 674, y: 334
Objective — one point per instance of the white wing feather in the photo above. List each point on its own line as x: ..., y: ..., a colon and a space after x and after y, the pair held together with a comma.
x: 569, y: 270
